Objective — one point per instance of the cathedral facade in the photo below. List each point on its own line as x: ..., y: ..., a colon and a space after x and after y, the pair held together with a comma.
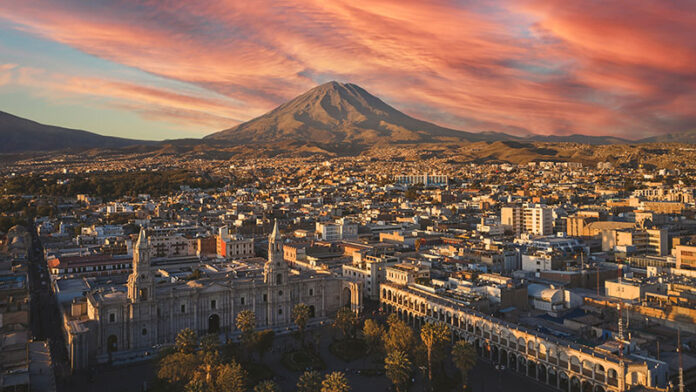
x: 152, y: 313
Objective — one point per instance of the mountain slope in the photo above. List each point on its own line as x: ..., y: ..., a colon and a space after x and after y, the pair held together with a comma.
x: 687, y: 137
x: 19, y: 134
x: 341, y: 115
x: 580, y: 139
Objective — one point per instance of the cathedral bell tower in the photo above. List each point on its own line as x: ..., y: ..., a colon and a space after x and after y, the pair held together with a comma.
x: 141, y: 285
x: 275, y: 272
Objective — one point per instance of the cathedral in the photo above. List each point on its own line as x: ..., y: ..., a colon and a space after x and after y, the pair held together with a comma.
x: 152, y: 312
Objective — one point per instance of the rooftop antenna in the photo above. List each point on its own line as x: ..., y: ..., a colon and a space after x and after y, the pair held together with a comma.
x: 621, y: 358
x: 621, y: 335
x: 628, y: 322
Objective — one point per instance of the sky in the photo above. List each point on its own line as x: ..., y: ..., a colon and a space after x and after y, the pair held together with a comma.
x: 179, y: 68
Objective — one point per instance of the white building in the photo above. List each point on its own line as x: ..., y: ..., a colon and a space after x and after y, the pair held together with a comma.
x: 534, y: 219
x: 537, y: 262
x: 337, y: 231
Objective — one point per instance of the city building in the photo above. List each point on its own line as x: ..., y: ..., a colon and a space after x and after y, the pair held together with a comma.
x: 533, y: 219
x: 147, y: 312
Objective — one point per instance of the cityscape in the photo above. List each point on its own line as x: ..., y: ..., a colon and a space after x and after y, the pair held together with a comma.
x: 505, y: 203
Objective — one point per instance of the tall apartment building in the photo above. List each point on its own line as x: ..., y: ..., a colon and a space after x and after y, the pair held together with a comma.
x: 337, y: 231
x: 534, y: 219
x: 511, y: 218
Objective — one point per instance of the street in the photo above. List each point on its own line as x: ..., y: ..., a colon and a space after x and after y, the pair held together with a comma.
x: 45, y: 319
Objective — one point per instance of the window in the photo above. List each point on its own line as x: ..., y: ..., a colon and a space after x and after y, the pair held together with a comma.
x: 241, y: 300
x: 311, y: 291
x: 212, y: 304
x: 280, y: 311
x: 183, y: 308
x: 144, y: 331
x: 112, y: 317
x: 265, y: 297
x: 279, y: 279
x: 280, y: 293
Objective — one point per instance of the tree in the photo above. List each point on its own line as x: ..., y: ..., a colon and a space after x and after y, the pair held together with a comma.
x: 399, y: 337
x: 267, y: 386
x: 246, y: 322
x: 464, y: 358
x: 186, y: 341
x: 210, y: 342
x: 345, y: 321
x: 209, y: 366
x: 300, y: 315
x: 372, y: 334
x: 263, y: 341
x: 231, y: 378
x: 178, y: 367
x: 398, y: 368
x: 309, y: 381
x: 335, y: 382
x: 434, y: 337
x: 195, y: 385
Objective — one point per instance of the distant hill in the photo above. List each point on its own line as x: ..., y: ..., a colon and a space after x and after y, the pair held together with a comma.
x: 343, y: 115
x: 19, y: 134
x: 687, y: 137
x: 581, y: 139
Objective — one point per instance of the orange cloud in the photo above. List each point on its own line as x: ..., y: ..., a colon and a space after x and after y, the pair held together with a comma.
x: 537, y: 66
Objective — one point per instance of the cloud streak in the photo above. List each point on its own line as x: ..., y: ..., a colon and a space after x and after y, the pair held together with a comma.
x: 548, y: 66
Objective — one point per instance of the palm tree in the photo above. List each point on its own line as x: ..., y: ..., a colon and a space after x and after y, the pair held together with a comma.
x: 186, y: 341
x: 246, y: 322
x: 267, y: 386
x: 300, y: 315
x: 372, y: 335
x: 335, y: 382
x: 345, y: 320
x: 398, y: 368
x: 464, y: 357
x: 399, y: 337
x: 310, y: 381
x: 434, y: 336
x: 231, y: 378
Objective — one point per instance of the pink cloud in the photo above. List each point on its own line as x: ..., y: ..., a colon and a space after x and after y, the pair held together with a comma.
x: 546, y: 66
